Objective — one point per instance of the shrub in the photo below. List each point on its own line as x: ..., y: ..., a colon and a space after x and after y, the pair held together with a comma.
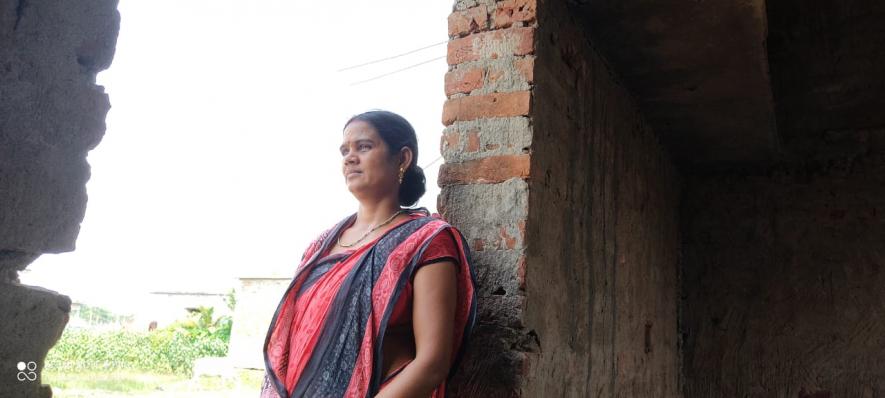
x: 172, y: 349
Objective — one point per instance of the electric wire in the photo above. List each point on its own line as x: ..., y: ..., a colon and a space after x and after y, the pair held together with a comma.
x: 392, y: 56
x: 396, y: 71
x: 431, y: 162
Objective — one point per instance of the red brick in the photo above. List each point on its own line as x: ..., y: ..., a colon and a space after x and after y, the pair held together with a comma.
x: 441, y: 206
x: 472, y: 142
x: 465, y: 81
x: 526, y: 68
x: 449, y: 140
x: 478, y: 245
x: 490, y: 105
x: 490, y: 170
x: 470, y: 20
x: 491, y: 45
x: 507, y: 241
x: 510, y: 11
x: 494, y: 74
x: 520, y: 67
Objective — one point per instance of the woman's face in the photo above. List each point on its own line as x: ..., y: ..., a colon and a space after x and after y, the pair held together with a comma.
x: 367, y: 166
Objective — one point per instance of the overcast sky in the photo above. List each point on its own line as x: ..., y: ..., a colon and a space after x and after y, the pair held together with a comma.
x: 220, y: 157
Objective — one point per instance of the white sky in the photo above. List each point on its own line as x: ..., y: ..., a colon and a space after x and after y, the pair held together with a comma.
x: 220, y: 157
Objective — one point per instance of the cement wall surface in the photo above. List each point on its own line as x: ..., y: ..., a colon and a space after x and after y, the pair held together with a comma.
x: 602, y: 234
x: 257, y: 300
x: 783, y: 281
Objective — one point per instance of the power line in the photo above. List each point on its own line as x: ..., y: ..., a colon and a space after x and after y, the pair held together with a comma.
x: 397, y: 71
x: 392, y: 56
x: 431, y: 162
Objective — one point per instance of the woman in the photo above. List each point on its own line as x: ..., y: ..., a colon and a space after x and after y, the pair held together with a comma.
x: 382, y: 303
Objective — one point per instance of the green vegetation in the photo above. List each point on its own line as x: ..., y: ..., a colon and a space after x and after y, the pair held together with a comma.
x: 145, y: 364
x: 171, y: 350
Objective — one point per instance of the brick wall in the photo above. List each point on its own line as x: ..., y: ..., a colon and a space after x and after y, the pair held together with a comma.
x: 569, y: 204
x: 486, y: 146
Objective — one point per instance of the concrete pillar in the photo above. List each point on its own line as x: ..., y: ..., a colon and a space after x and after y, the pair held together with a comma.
x: 486, y: 146
x: 570, y: 204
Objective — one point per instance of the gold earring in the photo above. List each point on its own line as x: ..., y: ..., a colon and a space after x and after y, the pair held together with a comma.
x: 402, y: 172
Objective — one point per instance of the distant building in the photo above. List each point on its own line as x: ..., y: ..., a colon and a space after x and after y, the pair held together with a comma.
x: 85, y: 316
x: 165, y: 307
x: 257, y: 300
x: 75, y: 321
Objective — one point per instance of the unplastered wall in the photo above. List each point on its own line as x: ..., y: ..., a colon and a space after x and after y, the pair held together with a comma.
x: 784, y: 278
x: 602, y: 262
x: 487, y: 147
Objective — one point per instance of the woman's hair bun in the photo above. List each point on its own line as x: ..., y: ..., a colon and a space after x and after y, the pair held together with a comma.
x: 413, y: 186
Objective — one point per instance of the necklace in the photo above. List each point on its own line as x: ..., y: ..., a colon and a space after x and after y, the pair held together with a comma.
x: 371, y: 230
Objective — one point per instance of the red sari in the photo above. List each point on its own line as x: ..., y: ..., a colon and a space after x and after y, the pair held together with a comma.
x: 325, y: 337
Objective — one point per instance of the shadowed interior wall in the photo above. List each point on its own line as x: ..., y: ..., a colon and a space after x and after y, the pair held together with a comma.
x: 602, y: 232
x: 784, y: 281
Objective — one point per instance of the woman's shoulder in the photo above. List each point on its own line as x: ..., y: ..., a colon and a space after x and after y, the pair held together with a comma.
x: 430, y: 219
x: 436, y: 222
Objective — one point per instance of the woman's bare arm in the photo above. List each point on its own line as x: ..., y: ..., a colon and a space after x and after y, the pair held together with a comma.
x: 434, y: 298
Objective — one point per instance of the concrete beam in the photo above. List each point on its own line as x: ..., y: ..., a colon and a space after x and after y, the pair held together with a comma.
x: 698, y: 70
